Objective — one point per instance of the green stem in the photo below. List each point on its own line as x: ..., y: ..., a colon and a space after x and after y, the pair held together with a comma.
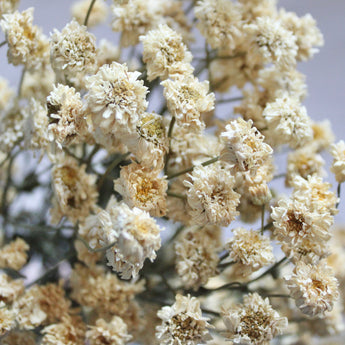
x: 229, y: 100
x: 204, y: 164
x: 21, y: 82
x: 89, y: 12
x: 338, y: 194
x: 3, y: 43
x: 175, y: 195
x: 167, y: 157
x: 262, y: 219
x: 97, y: 250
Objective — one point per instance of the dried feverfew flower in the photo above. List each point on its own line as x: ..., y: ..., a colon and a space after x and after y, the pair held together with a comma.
x: 338, y: 166
x: 288, y: 121
x: 220, y: 22
x: 302, y: 231
x: 135, y: 17
x: 74, y: 190
x: 73, y: 50
x: 303, y: 162
x: 98, y: 14
x: 7, y: 319
x: 315, y: 193
x: 67, y: 124
x: 103, y: 291
x: 6, y: 94
x: 29, y: 313
x: 8, y: 6
x: 323, y: 135
x: 115, y: 99
x: 10, y: 289
x: 249, y: 250
x: 196, y: 257
x: 16, y: 337
x: 71, y: 331
x: 35, y: 126
x: 308, y: 36
x: 182, y: 323
x: 271, y: 42
x: 244, y: 146
x: 254, y: 322
x: 143, y: 188
x: 150, y: 143
x: 165, y: 54
x: 113, y: 332
x: 14, y: 255
x: 26, y: 43
x: 314, y: 288
x: 137, y: 237
x: 187, y: 98
x: 211, y: 198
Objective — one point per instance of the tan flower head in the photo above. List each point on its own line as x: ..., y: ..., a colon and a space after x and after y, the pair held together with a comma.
x: 271, y: 42
x: 26, y: 43
x: 6, y: 94
x: 142, y: 188
x: 303, y: 232
x: 187, y: 98
x: 288, y: 121
x: 254, y: 322
x: 107, y: 53
x: 67, y: 124
x: 73, y: 50
x: 16, y: 337
x: 74, y: 190
x: 115, y: 99
x: 323, y: 135
x: 250, y: 251
x: 219, y: 21
x: 104, y: 333
x: 182, y: 323
x: 70, y: 331
x: 210, y: 196
x: 7, y: 318
x: 8, y: 6
x: 338, y: 165
x: 196, y: 257
x: 13, y: 255
x: 314, y: 288
x: 244, y: 146
x: 308, y: 36
x: 165, y: 54
x: 10, y: 289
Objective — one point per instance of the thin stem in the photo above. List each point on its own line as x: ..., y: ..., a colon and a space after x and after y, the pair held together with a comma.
x: 171, y: 126
x: 167, y: 157
x: 66, y: 150
x: 115, y: 163
x: 226, y: 264
x: 262, y: 219
x: 4, y: 207
x: 210, y: 312
x: 3, y: 43
x: 338, y: 194
x: 93, y: 152
x: 177, y: 232
x: 204, y: 164
x: 175, y: 195
x: 229, y: 100
x: 269, y: 271
x: 21, y: 82
x: 89, y: 12
x: 97, y: 250
x: 279, y: 176
x: 277, y: 295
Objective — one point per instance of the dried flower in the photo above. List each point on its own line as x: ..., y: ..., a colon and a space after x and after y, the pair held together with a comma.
x: 338, y: 165
x: 244, y: 146
x: 182, y: 323
x: 113, y: 332
x: 67, y: 124
x: 187, y: 99
x: 142, y: 188
x: 13, y: 255
x: 26, y: 43
x: 196, y: 257
x: 254, y: 322
x: 314, y: 288
x: 8, y: 6
x: 6, y: 94
x: 73, y: 50
x: 10, y: 289
x: 74, y: 190
x: 7, y: 318
x: 210, y: 196
x: 250, y: 251
x: 165, y: 54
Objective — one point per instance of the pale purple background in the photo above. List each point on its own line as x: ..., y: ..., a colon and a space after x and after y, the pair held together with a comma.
x: 325, y: 72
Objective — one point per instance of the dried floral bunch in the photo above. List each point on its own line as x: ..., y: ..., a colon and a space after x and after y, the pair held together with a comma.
x: 122, y: 176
